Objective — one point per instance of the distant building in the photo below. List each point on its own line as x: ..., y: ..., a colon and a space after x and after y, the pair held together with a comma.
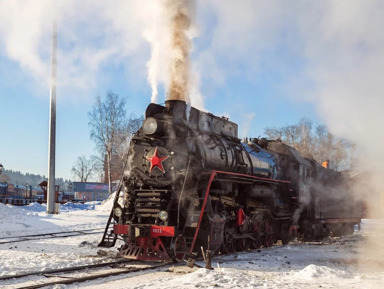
x: 3, y: 190
x: 86, y: 191
x: 19, y: 194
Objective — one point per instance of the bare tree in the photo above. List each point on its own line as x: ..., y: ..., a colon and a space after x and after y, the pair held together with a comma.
x: 321, y: 144
x: 4, y: 178
x: 111, y: 130
x: 273, y: 133
x: 298, y: 136
x: 99, y: 167
x: 122, y: 144
x: 329, y: 147
x: 84, y: 168
x: 305, y: 144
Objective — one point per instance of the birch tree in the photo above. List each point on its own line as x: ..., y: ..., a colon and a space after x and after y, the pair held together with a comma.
x: 107, y: 121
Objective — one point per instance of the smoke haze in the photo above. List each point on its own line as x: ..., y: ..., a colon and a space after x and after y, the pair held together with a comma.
x: 338, y: 50
x: 335, y: 47
x: 328, y: 53
x: 91, y: 35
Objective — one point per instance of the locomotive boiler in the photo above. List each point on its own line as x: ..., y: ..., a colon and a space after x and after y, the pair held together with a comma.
x: 192, y: 183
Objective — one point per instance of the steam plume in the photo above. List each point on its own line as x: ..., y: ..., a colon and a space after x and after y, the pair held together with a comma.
x: 171, y: 42
x: 180, y: 49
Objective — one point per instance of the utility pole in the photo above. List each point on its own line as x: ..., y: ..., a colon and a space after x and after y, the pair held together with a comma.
x: 52, y: 128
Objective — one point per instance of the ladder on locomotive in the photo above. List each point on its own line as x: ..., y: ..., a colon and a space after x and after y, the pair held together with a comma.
x: 109, y: 237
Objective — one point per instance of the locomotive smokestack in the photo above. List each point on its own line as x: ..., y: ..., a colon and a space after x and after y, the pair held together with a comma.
x: 177, y: 108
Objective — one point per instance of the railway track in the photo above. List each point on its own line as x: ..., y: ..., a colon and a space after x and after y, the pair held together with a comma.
x: 76, y: 274
x: 65, y: 234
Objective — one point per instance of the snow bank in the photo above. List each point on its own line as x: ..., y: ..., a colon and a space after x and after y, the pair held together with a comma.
x: 21, y: 220
x: 220, y: 277
x: 10, y: 212
x: 32, y: 219
x: 316, y: 272
x: 106, y: 206
x: 298, y: 265
x: 19, y: 213
x: 35, y: 207
x: 79, y: 206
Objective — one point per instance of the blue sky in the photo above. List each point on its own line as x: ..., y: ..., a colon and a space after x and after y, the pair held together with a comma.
x: 262, y: 63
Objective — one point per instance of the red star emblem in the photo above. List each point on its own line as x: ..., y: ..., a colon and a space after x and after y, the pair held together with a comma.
x: 156, y: 161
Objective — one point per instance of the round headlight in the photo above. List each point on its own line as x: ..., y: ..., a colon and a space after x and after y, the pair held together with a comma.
x: 118, y: 212
x: 163, y: 215
x: 150, y: 125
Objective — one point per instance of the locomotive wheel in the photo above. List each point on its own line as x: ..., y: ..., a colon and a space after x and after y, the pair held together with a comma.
x: 349, y: 229
x: 285, y: 237
x: 229, y: 241
x: 178, y: 248
x: 256, y: 227
x: 337, y: 230
x: 256, y: 243
x: 319, y: 232
x: 306, y: 231
x: 244, y: 244
x: 269, y: 237
x: 346, y: 229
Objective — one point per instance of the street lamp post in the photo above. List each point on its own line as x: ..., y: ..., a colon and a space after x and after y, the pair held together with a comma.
x: 52, y: 128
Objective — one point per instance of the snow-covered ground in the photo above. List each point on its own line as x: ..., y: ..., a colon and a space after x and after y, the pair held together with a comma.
x: 353, y: 262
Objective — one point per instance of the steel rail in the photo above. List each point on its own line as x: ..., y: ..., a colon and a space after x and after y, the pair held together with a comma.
x: 64, y: 270
x: 49, y: 236
x: 51, y: 233
x: 70, y: 280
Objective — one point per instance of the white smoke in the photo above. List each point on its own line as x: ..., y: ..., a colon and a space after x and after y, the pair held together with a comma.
x: 171, y: 37
x: 96, y: 33
x: 339, y: 44
x: 158, y: 35
x: 21, y: 29
x: 338, y: 49
x: 330, y: 53
x: 247, y: 119
x: 91, y: 35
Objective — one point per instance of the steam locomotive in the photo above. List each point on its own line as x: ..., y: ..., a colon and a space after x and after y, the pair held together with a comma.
x: 193, y: 184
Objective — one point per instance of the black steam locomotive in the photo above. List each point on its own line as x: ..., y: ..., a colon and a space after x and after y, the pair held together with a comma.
x: 192, y: 183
